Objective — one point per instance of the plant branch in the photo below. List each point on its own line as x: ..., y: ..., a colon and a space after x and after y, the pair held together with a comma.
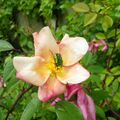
x: 114, y: 112
x: 110, y: 56
x: 4, y: 107
x: 114, y: 46
x: 16, y: 101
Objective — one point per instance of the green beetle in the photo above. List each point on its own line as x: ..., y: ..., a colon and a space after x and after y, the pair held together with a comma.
x: 58, y: 60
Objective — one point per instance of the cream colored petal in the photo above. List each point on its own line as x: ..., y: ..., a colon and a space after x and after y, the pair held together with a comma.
x: 72, y: 49
x: 51, y: 89
x: 74, y: 74
x: 44, y: 42
x: 31, y: 69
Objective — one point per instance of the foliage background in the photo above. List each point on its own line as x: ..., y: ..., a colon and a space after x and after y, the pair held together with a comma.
x: 92, y: 19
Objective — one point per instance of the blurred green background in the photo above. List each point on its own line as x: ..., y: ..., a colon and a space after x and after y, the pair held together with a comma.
x: 92, y: 19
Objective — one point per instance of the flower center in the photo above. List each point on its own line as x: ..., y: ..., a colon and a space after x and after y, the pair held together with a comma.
x: 55, y: 64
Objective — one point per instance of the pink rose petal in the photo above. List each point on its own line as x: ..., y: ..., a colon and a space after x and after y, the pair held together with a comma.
x: 31, y: 69
x: 50, y: 89
x: 73, y: 74
x: 86, y: 105
x: 45, y: 43
x: 72, y: 49
x: 71, y: 90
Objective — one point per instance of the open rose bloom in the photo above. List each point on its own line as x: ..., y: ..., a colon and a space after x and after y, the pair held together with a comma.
x: 53, y: 65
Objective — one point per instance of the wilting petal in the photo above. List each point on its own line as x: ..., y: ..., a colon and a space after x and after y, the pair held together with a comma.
x: 55, y: 101
x: 31, y: 69
x: 104, y: 44
x: 50, y: 89
x: 91, y: 108
x: 44, y: 42
x: 71, y: 90
x: 84, y: 102
x: 94, y: 45
x: 72, y: 49
x: 73, y: 74
x: 90, y: 47
x: 86, y: 105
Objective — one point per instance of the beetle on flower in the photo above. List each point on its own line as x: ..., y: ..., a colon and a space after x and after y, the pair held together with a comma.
x: 53, y: 65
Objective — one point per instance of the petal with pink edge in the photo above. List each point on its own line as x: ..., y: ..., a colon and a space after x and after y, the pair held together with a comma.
x: 44, y: 42
x: 50, y: 89
x: 73, y: 74
x: 72, y: 49
x: 71, y: 90
x: 84, y: 102
x: 86, y: 105
x: 31, y: 69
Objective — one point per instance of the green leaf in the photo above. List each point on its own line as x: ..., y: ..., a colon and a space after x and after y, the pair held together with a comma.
x: 116, y: 70
x: 107, y: 22
x: 30, y: 109
x: 87, y: 58
x: 12, y: 86
x: 100, y: 36
x: 116, y: 98
x: 95, y: 78
x: 98, y: 95
x: 118, y: 44
x: 111, y: 118
x: 5, y: 46
x: 118, y: 79
x: 115, y: 85
x: 112, y: 33
x: 8, y: 70
x: 80, y: 7
x: 67, y: 111
x: 96, y: 69
x: 109, y: 80
x: 1, y: 114
x: 100, y: 113
x: 89, y: 18
x: 95, y: 7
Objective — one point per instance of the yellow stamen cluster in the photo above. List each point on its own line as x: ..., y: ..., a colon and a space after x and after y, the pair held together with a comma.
x: 54, y: 69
